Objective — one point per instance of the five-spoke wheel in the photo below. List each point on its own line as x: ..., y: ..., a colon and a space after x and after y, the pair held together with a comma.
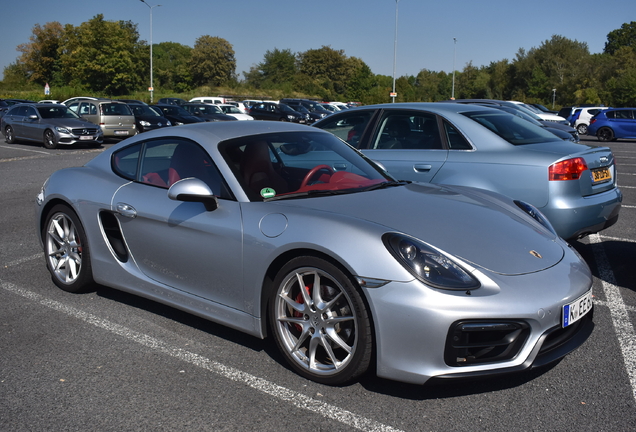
x: 9, y: 136
x: 50, y: 142
x: 320, y: 321
x: 66, y: 250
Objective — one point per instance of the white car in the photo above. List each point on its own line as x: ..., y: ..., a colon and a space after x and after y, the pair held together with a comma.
x: 583, y: 120
x: 233, y: 111
x: 208, y: 100
x: 544, y: 115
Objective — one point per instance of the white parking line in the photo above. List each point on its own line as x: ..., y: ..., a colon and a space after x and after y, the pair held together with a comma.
x: 24, y: 149
x: 23, y: 260
x: 616, y: 238
x: 624, y: 328
x: 295, y: 398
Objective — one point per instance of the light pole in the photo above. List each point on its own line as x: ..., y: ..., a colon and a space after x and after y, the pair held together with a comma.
x: 553, y: 97
x: 151, y: 88
x: 393, y: 94
x: 454, y: 57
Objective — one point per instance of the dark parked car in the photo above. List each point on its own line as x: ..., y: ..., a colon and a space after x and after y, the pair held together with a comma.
x: 147, y: 119
x: 207, y: 112
x: 574, y: 185
x: 50, y: 124
x: 613, y: 123
x: 276, y: 112
x: 316, y: 111
x: 176, y: 114
x: 171, y: 101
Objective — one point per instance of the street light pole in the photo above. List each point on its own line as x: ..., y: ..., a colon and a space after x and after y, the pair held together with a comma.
x: 454, y: 57
x: 151, y: 88
x: 393, y: 94
x: 553, y: 97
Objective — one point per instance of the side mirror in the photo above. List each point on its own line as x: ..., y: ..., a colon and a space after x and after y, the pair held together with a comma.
x: 193, y: 190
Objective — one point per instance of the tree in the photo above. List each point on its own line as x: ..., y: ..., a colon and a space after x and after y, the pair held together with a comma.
x: 212, y: 61
x: 171, y: 68
x: 623, y: 37
x: 278, y: 67
x: 40, y: 58
x: 326, y: 69
x: 104, y: 56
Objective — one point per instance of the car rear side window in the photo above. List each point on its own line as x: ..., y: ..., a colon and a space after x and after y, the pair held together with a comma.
x: 456, y: 140
x: 408, y: 131
x: 126, y: 161
x: 511, y: 128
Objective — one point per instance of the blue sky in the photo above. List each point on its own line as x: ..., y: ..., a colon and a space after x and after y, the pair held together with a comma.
x: 486, y: 30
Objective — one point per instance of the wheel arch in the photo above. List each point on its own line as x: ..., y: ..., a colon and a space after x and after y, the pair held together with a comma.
x: 45, y: 211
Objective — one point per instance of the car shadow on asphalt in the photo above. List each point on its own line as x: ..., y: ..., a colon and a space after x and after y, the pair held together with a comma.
x: 620, y: 271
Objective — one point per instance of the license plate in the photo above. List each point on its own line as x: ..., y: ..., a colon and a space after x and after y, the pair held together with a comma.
x: 601, y: 175
x: 576, y: 310
x: 124, y: 132
x: 86, y: 137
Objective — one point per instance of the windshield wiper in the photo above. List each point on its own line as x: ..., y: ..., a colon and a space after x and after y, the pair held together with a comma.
x: 388, y: 184
x: 311, y: 193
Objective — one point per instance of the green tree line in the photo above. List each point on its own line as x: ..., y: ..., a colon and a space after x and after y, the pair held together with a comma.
x: 108, y: 58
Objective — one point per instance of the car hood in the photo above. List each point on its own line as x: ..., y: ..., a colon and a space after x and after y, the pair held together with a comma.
x: 69, y: 123
x: 465, y: 222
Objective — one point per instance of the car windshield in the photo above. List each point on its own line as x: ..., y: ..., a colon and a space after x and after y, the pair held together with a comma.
x: 143, y: 110
x: 301, y: 109
x: 58, y: 111
x: 513, y: 129
x: 299, y: 165
x: 230, y: 109
x: 115, y: 109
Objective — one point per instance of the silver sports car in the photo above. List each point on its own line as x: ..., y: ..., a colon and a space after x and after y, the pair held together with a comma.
x: 283, y: 230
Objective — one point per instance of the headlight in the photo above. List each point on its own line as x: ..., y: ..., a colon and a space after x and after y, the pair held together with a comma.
x: 291, y: 117
x: 168, y: 123
x: 177, y: 123
x: 429, y: 265
x: 62, y: 130
x: 535, y: 214
x: 144, y: 123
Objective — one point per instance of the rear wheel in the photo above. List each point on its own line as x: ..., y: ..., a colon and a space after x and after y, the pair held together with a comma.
x: 320, y: 321
x: 605, y: 134
x: 581, y: 129
x: 9, y: 136
x: 66, y: 250
x: 50, y: 142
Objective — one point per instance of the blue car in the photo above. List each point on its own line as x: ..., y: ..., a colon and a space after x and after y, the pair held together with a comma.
x: 613, y: 123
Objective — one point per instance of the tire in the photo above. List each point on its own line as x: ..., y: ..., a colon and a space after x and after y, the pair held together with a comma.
x: 9, y: 136
x: 582, y: 129
x: 605, y: 134
x: 50, y: 142
x: 325, y: 335
x: 66, y: 250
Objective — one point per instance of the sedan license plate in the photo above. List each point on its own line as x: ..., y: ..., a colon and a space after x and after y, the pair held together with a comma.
x: 601, y: 175
x: 86, y: 137
x: 576, y: 310
x: 121, y: 132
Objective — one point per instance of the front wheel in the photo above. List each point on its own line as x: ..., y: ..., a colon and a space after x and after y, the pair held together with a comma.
x: 50, y: 142
x: 320, y: 321
x: 9, y: 136
x: 605, y: 134
x: 66, y: 250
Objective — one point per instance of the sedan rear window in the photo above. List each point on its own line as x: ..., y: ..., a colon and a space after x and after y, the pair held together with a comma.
x: 513, y: 129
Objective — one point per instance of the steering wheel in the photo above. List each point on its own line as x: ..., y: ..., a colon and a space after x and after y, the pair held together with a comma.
x: 312, y: 172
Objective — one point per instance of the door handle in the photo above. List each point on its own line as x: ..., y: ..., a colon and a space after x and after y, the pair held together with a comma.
x: 422, y: 167
x: 126, y: 210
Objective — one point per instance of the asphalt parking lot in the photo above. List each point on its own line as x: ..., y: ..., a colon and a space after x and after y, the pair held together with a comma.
x: 106, y: 360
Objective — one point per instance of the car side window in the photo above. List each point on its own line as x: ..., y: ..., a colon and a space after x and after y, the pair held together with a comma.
x: 456, y: 140
x: 126, y: 161
x: 165, y: 162
x: 30, y: 111
x: 399, y: 130
x: 348, y: 127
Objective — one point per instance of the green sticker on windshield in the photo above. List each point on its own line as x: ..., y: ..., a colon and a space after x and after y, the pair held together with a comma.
x: 268, y: 192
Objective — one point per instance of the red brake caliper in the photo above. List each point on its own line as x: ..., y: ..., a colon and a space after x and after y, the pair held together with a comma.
x: 299, y: 299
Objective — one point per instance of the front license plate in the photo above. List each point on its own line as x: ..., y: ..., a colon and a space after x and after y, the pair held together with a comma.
x: 576, y: 310
x: 601, y: 175
x: 121, y: 132
x: 86, y: 137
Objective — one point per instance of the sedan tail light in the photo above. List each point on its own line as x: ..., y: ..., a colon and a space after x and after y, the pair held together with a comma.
x: 569, y: 169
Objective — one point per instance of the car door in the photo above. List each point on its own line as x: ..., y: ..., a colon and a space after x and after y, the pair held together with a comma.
x: 88, y: 111
x: 32, y: 125
x: 16, y: 118
x: 181, y: 244
x: 407, y: 143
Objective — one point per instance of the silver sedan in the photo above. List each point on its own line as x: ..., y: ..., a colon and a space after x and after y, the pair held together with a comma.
x: 574, y: 185
x: 282, y: 230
